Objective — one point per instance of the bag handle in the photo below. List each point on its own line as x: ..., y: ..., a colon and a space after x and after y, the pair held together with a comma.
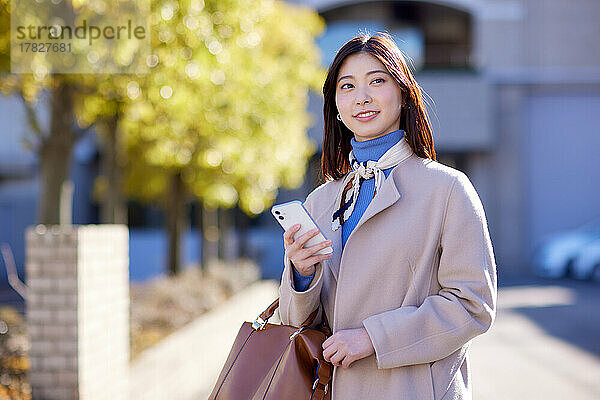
x: 261, y: 321
x: 324, y: 369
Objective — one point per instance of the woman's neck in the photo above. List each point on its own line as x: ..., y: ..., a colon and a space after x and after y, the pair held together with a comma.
x: 373, y: 149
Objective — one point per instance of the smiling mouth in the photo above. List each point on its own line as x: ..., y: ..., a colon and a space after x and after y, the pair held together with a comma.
x: 367, y: 115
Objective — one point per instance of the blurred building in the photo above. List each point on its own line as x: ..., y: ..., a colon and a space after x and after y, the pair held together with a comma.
x: 515, y: 86
x: 514, y: 89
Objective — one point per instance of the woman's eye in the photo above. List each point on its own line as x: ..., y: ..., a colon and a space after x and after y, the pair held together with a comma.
x: 374, y: 81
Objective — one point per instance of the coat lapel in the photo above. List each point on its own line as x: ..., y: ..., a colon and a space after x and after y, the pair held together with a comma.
x: 388, y: 195
x: 336, y: 238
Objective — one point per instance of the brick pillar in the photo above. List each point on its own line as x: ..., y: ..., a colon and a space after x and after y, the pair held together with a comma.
x: 77, y: 311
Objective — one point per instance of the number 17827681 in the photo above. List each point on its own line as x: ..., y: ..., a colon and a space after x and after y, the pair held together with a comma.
x: 27, y: 47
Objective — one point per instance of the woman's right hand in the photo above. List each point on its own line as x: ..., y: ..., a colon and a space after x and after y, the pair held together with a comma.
x: 304, y: 259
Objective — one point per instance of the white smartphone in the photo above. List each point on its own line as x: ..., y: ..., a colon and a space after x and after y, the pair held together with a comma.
x: 292, y: 213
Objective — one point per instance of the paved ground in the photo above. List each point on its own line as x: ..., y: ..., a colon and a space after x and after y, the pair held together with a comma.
x: 545, y: 343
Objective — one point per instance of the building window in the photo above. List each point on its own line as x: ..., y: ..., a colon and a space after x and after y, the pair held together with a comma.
x: 431, y: 35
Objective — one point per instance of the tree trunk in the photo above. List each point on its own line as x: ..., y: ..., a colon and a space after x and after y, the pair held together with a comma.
x: 174, y: 215
x: 200, y: 227
x: 210, y: 235
x: 224, y: 230
x: 55, y: 154
x: 113, y: 209
x: 242, y: 228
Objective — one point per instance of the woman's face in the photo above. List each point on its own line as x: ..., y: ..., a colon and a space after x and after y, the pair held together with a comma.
x: 363, y: 84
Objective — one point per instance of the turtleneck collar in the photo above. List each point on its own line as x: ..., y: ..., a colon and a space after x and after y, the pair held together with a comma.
x: 373, y: 149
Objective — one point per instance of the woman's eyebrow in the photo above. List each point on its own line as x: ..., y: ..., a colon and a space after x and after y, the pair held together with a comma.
x: 368, y: 73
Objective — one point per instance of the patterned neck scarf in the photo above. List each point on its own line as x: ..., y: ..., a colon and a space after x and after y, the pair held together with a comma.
x: 366, y: 170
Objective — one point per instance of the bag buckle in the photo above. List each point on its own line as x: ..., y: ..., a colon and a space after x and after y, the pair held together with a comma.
x: 315, y: 385
x: 259, y: 323
x: 293, y: 335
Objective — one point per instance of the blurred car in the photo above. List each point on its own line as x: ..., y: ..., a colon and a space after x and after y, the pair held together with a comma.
x: 587, y: 263
x: 556, y: 256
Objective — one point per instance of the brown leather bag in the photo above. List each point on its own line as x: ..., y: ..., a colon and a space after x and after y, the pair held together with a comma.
x: 276, y: 362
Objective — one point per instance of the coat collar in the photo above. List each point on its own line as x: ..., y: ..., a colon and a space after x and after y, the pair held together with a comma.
x: 388, y: 194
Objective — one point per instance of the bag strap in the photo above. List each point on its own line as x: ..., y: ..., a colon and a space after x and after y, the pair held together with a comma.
x: 321, y: 384
x: 325, y: 325
x: 268, y: 313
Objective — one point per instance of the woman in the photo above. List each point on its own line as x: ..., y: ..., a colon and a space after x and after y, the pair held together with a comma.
x: 412, y: 278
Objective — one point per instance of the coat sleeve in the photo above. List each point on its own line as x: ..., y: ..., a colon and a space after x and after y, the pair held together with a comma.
x: 296, y: 306
x: 464, y: 307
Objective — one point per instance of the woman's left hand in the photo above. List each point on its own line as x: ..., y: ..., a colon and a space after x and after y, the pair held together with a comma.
x: 346, y: 346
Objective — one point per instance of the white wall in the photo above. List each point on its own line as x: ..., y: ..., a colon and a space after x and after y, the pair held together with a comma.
x: 563, y: 167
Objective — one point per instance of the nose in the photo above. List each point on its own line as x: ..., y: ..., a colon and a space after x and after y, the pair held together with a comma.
x: 362, y: 97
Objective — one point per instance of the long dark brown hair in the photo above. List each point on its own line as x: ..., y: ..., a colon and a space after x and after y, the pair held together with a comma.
x: 414, y: 120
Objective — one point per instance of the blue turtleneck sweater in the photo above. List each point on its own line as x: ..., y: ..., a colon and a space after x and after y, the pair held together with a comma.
x: 371, y: 149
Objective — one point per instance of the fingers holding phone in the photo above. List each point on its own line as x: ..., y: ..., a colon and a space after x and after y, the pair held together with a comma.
x: 305, y: 245
x: 304, y: 258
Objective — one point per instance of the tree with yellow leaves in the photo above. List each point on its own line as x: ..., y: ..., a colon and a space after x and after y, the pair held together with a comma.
x: 221, y: 116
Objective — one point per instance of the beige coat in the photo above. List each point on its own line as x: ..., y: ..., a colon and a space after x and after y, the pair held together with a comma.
x: 418, y: 272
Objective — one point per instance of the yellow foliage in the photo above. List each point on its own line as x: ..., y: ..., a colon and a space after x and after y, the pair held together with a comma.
x: 224, y: 102
x: 233, y: 115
